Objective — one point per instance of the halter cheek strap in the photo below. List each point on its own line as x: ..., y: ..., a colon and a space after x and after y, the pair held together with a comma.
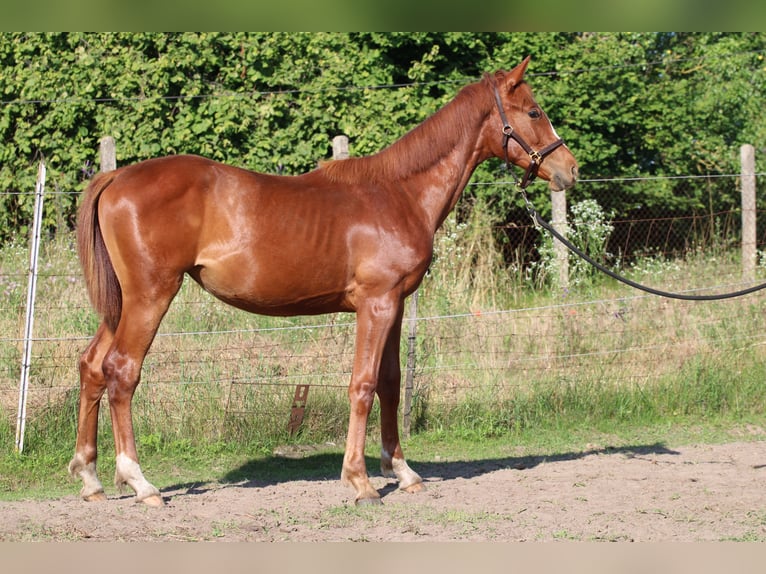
x: 535, y: 157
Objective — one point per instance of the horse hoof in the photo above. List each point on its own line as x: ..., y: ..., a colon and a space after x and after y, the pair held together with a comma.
x: 155, y: 501
x: 414, y: 488
x: 368, y: 502
x: 95, y: 497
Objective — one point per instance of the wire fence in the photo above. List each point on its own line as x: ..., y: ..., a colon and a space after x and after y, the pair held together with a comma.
x: 212, y: 368
x: 210, y: 380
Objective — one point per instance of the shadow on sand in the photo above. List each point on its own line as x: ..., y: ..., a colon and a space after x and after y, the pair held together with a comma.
x: 276, y: 469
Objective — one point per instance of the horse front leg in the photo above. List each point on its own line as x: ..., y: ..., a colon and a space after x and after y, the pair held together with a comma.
x: 392, y: 462
x: 92, y: 386
x: 375, y: 321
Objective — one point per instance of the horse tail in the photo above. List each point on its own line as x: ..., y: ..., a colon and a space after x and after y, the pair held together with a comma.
x: 101, y: 281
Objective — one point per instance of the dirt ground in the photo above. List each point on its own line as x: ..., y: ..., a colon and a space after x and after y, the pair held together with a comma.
x: 650, y: 493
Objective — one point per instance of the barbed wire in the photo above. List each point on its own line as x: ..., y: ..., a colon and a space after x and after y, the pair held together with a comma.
x: 630, y: 355
x: 507, y: 182
x: 458, y: 354
x: 473, y: 315
x: 373, y: 87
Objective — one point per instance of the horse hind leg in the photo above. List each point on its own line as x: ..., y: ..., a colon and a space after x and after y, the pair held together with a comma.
x: 92, y: 386
x: 392, y: 462
x: 122, y: 369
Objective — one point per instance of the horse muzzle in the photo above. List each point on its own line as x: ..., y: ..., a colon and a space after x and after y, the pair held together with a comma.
x: 563, y: 179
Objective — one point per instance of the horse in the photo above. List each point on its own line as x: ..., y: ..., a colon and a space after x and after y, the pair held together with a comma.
x: 352, y: 235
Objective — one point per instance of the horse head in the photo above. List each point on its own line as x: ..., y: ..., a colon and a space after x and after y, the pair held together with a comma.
x: 524, y: 135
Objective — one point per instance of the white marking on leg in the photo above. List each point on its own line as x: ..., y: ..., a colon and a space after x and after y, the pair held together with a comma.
x: 407, y: 477
x: 129, y: 472
x: 92, y: 489
x: 398, y: 467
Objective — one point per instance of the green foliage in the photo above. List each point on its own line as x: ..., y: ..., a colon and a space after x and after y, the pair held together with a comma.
x: 627, y: 104
x: 666, y: 104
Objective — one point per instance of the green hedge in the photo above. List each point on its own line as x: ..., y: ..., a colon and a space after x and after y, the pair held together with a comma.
x: 627, y: 104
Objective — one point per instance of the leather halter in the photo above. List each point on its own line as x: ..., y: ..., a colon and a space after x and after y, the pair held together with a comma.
x: 536, y: 157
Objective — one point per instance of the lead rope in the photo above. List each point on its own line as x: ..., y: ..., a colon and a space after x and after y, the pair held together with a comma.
x: 539, y: 221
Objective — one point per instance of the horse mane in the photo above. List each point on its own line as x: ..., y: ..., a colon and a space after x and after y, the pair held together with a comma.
x: 423, y: 145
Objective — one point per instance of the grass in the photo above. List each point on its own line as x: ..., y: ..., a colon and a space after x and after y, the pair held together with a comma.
x: 505, y: 370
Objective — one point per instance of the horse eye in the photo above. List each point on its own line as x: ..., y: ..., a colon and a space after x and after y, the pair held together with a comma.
x: 534, y: 114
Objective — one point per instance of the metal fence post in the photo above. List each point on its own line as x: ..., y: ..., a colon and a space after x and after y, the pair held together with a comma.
x: 21, y: 420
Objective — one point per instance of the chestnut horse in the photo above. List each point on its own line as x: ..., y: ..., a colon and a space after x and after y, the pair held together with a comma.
x: 353, y: 235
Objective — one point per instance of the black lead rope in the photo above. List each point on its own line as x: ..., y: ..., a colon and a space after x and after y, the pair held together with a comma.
x: 545, y: 225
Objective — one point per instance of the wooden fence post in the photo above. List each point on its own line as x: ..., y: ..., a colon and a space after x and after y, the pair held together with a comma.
x: 298, y: 408
x: 747, y: 159
x: 559, y: 223
x: 410, y: 373
x: 340, y: 147
x: 107, y: 153
x: 339, y: 151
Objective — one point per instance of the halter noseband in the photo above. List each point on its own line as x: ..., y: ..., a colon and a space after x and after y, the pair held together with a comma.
x: 536, y: 157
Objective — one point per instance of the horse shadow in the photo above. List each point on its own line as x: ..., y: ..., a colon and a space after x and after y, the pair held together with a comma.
x: 276, y: 469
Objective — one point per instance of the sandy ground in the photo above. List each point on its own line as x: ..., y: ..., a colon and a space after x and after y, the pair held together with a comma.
x: 692, y: 493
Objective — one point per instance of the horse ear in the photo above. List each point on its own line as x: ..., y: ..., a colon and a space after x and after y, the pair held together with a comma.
x: 516, y: 76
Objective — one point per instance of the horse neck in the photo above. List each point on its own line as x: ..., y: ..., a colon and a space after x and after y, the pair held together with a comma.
x: 433, y: 162
x: 438, y: 157
x: 438, y: 190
